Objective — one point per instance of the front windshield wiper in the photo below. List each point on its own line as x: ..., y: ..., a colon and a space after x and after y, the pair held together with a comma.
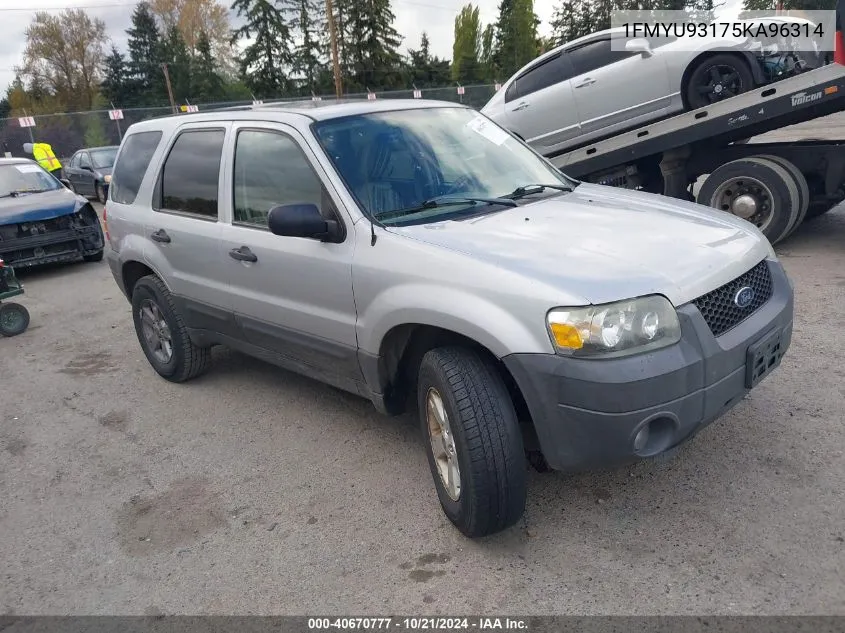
x: 17, y: 192
x: 528, y: 190
x: 442, y: 201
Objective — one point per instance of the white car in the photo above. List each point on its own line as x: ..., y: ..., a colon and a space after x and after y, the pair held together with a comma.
x: 587, y: 89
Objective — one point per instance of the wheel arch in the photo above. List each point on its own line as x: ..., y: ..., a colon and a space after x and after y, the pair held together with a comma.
x: 132, y: 271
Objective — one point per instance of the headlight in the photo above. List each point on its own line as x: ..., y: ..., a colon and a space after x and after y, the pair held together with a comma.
x: 107, y: 178
x: 614, y: 329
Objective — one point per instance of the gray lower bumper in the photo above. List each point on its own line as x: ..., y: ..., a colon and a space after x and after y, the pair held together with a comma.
x: 587, y: 413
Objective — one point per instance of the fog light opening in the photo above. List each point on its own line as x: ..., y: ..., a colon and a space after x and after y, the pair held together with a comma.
x: 655, y: 435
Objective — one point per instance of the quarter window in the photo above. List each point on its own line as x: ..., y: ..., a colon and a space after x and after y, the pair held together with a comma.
x: 271, y: 170
x: 135, y: 157
x: 189, y: 180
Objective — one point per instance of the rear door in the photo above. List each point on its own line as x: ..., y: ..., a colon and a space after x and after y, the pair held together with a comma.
x: 617, y: 88
x: 295, y: 298
x: 183, y: 232
x: 540, y: 105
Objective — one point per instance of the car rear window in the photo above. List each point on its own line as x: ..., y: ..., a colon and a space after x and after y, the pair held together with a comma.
x: 132, y: 163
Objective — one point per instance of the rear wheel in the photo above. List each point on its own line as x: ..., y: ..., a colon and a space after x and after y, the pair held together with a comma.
x: 800, y: 183
x: 163, y: 335
x: 473, y: 441
x: 717, y: 78
x: 756, y: 190
x: 14, y: 319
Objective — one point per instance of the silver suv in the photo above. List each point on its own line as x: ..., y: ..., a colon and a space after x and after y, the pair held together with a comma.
x: 418, y: 255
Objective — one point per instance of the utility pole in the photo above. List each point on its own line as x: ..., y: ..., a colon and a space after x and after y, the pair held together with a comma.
x: 169, y: 87
x: 338, y: 86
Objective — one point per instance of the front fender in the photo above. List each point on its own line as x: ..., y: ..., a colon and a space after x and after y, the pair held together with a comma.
x: 470, y: 315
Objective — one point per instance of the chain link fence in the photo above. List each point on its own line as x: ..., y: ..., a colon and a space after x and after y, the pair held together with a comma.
x: 69, y: 132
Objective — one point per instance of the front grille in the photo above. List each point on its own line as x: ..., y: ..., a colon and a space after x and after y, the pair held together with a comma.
x: 718, y: 308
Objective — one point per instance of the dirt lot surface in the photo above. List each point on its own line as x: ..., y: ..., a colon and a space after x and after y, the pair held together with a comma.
x: 254, y: 491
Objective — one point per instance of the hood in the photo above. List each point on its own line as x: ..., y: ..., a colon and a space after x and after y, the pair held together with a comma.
x: 607, y: 244
x: 39, y: 206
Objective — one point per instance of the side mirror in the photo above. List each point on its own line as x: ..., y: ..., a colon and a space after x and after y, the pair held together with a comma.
x: 302, y: 220
x: 639, y: 45
x: 65, y: 182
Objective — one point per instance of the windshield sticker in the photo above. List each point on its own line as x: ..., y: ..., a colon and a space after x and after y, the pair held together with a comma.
x: 28, y: 169
x: 488, y: 130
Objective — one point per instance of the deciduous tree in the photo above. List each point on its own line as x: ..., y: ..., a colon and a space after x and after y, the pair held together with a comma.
x: 466, y: 48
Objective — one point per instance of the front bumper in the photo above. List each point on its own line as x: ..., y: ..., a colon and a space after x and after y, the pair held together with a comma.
x: 63, y: 239
x: 588, y: 413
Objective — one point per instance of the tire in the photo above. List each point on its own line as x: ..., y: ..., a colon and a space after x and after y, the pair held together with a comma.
x: 486, y: 443
x: 94, y: 257
x: 99, y: 193
x: 735, y: 74
x: 185, y: 360
x: 803, y: 189
x: 14, y: 319
x: 778, y: 184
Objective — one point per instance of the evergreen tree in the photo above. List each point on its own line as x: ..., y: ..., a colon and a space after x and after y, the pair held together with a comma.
x: 144, y: 81
x: 308, y: 19
x: 806, y: 5
x: 264, y: 62
x: 113, y: 86
x: 516, y: 35
x: 488, y: 67
x: 426, y: 71
x: 174, y: 52
x: 373, y: 44
x: 207, y: 83
x: 466, y: 48
x: 571, y: 20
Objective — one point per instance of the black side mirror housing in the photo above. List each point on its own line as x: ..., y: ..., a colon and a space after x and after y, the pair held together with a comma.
x: 303, y: 220
x: 65, y: 182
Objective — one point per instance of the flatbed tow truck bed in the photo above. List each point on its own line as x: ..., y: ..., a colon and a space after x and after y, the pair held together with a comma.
x: 775, y: 185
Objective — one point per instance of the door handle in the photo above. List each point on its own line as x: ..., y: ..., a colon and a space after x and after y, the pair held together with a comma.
x: 160, y: 236
x: 586, y: 82
x: 243, y: 254
x: 521, y: 106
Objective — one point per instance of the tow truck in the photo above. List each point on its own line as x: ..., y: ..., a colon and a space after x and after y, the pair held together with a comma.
x: 775, y: 185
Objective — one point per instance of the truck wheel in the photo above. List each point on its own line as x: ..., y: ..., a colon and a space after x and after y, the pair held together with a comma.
x: 800, y: 183
x: 473, y: 441
x: 14, y: 319
x: 756, y: 190
x: 163, y: 335
x: 716, y: 78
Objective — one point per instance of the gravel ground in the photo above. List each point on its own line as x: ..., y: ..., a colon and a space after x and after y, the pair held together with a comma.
x: 255, y: 491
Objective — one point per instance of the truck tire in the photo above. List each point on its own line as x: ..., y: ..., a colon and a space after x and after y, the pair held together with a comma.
x: 473, y: 441
x: 800, y: 182
x: 14, y: 319
x: 162, y: 333
x: 757, y: 190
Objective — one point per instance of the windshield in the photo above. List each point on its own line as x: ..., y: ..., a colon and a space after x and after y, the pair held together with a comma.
x: 395, y: 161
x: 103, y: 158
x: 21, y: 178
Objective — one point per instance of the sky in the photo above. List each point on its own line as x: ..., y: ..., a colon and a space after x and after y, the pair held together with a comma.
x: 436, y: 17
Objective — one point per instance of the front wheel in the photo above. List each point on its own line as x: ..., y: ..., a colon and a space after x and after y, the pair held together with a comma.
x: 473, y: 441
x: 14, y: 319
x: 717, y: 78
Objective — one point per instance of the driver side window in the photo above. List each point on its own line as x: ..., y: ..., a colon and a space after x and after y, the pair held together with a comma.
x: 271, y: 170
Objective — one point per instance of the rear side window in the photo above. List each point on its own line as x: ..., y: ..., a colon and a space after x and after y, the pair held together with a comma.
x: 135, y: 157
x: 594, y: 55
x: 550, y: 72
x: 189, y: 180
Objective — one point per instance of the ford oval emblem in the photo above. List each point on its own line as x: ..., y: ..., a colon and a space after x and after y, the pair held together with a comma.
x: 744, y: 296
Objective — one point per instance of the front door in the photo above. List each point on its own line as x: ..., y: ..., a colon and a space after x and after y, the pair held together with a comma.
x: 85, y: 184
x: 616, y: 89
x: 295, y: 296
x: 183, y: 233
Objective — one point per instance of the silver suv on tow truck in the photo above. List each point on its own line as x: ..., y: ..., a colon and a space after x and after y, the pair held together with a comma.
x: 419, y: 255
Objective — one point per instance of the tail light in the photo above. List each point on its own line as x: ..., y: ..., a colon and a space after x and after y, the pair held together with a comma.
x: 838, y: 49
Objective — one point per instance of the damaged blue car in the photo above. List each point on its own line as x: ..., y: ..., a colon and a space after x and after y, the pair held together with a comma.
x: 42, y: 221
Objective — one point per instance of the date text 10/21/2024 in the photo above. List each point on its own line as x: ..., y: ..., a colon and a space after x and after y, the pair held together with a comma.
x: 418, y: 624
